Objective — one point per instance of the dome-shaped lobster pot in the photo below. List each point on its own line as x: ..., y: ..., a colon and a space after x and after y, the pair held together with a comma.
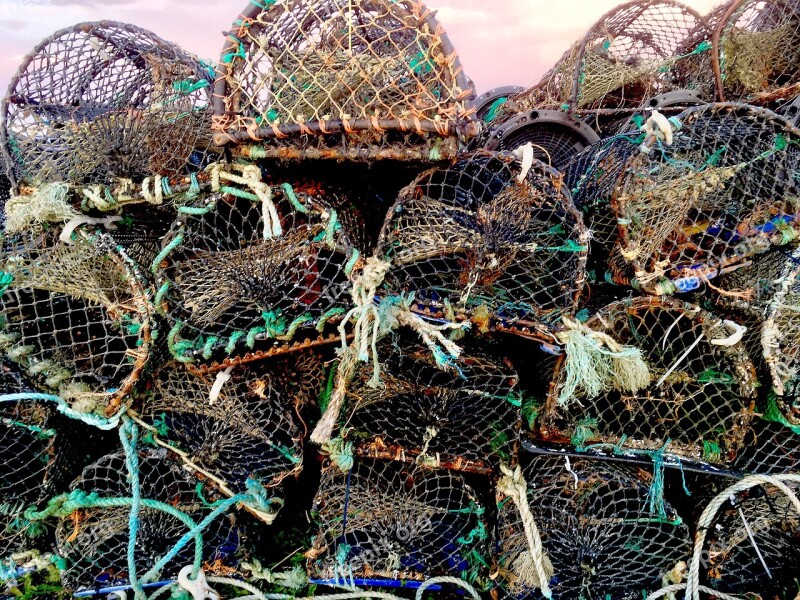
x: 94, y: 540
x: 697, y: 404
x: 598, y: 527
x: 100, y: 101
x: 756, y: 51
x: 354, y: 79
x: 75, y: 315
x: 635, y: 51
x: 488, y: 237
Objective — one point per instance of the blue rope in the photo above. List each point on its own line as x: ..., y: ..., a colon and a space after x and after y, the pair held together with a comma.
x: 128, y: 435
x: 65, y: 409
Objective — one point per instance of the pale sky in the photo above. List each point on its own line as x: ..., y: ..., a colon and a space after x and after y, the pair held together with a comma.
x: 501, y: 42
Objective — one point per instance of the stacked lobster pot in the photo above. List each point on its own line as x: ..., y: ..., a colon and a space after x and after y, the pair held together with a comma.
x: 321, y: 320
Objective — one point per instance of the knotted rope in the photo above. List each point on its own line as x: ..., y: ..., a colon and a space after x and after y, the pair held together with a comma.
x: 513, y: 485
x: 372, y: 323
x: 251, y: 178
x: 595, y: 363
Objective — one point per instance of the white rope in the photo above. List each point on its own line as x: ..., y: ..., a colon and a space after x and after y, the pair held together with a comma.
x: 659, y: 127
x: 250, y: 177
x: 671, y: 589
x: 157, y: 197
x: 199, y: 588
x: 513, y: 485
x: 693, y: 587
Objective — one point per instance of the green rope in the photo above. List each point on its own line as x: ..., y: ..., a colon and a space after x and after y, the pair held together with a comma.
x: 330, y: 229
x: 244, y: 195
x: 711, y: 451
x: 232, y: 341
x: 585, y: 430
x: 274, y: 323
x: 340, y: 452
x: 325, y: 394
x: 292, y: 198
x: 128, y: 435
x: 39, y: 431
x: 304, y: 319
x: 351, y: 264
x: 179, y: 348
x: 197, y: 210
x: 160, y: 296
x: 253, y: 334
x: 165, y: 252
x: 208, y: 347
x: 65, y: 409
x: 323, y: 320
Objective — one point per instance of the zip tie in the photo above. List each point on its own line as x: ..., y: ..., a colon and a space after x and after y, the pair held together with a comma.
x: 66, y: 235
x: 734, y: 338
x: 525, y: 155
x: 222, y: 378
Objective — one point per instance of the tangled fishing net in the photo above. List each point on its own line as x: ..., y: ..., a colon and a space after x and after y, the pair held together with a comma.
x: 341, y: 78
x: 694, y: 400
x: 587, y: 526
x: 464, y: 420
x: 490, y: 236
x: 241, y: 266
x: 390, y: 520
x: 74, y: 315
x: 105, y: 100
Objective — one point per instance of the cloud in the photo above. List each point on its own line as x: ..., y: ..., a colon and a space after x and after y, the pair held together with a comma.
x: 12, y: 24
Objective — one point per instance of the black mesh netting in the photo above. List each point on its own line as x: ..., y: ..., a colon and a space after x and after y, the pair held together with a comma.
x: 237, y: 429
x: 699, y: 400
x: 489, y: 237
x: 94, y: 541
x: 396, y: 521
x: 465, y: 418
x: 600, y: 534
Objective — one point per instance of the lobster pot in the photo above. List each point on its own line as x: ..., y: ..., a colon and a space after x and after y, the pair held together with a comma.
x: 757, y: 49
x: 106, y: 100
x: 762, y: 518
x: 781, y: 341
x: 237, y: 269
x: 463, y: 420
x: 598, y: 528
x: 690, y: 210
x: 390, y: 520
x: 700, y: 396
x: 490, y: 238
x: 74, y: 315
x: 241, y: 435
x: 352, y: 79
x: 94, y: 541
x: 635, y: 51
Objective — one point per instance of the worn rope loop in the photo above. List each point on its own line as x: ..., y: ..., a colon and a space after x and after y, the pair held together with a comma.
x: 513, y: 485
